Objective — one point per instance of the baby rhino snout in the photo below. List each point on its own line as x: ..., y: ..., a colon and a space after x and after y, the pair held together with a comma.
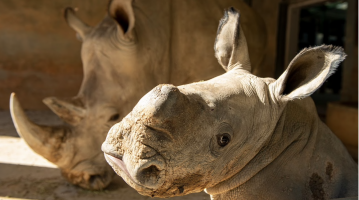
x: 137, y: 162
x: 131, y: 146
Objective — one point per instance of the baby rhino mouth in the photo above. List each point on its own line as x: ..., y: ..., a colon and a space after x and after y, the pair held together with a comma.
x: 140, y: 172
x: 118, y: 162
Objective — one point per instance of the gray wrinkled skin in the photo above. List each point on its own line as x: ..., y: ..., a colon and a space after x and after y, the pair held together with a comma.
x: 137, y: 46
x: 236, y: 136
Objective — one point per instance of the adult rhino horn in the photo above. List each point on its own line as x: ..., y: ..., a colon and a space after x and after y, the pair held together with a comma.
x: 44, y: 140
x: 67, y: 111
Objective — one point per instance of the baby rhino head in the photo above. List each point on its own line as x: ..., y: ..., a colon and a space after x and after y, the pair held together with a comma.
x: 181, y: 140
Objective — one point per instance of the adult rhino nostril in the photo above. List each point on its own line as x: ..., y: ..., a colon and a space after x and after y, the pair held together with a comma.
x: 94, y: 178
x: 96, y: 182
x: 87, y: 181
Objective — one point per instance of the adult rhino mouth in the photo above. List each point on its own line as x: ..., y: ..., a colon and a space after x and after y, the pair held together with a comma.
x: 88, y: 180
x: 91, y: 174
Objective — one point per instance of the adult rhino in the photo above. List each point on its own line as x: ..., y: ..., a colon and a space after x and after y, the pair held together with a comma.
x: 137, y: 46
x: 237, y: 136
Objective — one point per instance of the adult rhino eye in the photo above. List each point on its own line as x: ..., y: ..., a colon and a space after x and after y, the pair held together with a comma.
x: 223, y: 139
x: 114, y: 117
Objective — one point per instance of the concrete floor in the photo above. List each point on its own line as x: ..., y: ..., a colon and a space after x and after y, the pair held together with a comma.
x: 26, y: 175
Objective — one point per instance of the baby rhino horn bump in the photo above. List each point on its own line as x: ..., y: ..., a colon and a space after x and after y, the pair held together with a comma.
x: 170, y: 100
x: 160, y: 101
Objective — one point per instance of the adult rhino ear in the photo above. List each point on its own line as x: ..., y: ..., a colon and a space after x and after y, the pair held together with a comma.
x: 231, y: 46
x: 81, y: 28
x: 307, y: 72
x: 71, y: 112
x: 122, y: 12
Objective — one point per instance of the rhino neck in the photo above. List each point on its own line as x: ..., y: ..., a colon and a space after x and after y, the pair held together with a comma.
x: 153, y: 32
x: 295, y: 133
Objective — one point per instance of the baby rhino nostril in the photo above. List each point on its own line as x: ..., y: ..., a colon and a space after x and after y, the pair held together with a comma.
x: 150, y: 171
x: 150, y: 176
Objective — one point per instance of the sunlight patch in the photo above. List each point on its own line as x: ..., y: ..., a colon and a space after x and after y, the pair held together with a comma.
x: 15, y: 151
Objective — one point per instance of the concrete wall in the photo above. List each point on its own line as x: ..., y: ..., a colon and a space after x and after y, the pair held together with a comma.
x: 39, y: 52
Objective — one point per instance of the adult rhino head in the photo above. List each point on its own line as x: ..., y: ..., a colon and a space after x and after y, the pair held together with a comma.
x: 107, y: 51
x: 238, y: 136
x: 137, y: 46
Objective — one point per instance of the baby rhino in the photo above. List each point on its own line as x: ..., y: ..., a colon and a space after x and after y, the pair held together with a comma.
x: 236, y: 136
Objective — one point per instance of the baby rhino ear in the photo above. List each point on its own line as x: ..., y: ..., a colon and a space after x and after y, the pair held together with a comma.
x: 307, y: 72
x: 230, y: 46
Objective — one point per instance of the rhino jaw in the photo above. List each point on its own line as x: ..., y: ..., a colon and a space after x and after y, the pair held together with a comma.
x: 89, y: 174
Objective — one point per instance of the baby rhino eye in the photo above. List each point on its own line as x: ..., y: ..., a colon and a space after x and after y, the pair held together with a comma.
x: 223, y: 139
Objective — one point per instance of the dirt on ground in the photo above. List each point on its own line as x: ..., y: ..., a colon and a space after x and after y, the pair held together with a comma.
x: 26, y: 175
